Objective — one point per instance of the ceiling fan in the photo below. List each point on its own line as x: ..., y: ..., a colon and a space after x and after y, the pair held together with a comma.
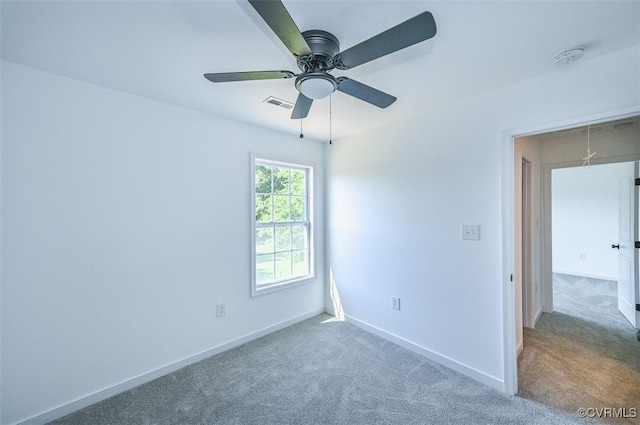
x: 317, y: 52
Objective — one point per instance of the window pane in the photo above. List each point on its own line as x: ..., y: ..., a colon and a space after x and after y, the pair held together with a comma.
x: 263, y: 208
x: 281, y: 180
x: 298, y: 184
x: 297, y: 208
x: 283, y: 265
x: 298, y: 237
x: 264, y: 269
x: 283, y: 238
x: 282, y: 251
x: 300, y: 263
x: 280, y: 208
x: 263, y: 179
x: 264, y: 240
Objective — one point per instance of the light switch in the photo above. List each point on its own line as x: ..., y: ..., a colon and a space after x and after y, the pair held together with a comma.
x: 470, y: 231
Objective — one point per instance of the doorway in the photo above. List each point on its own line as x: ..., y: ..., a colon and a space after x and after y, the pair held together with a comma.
x: 555, y: 335
x: 593, y: 267
x: 535, y: 159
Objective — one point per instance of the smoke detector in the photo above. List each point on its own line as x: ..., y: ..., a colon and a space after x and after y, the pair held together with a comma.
x: 566, y: 57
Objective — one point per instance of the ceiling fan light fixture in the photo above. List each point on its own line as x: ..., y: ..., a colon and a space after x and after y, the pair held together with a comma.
x: 316, y: 85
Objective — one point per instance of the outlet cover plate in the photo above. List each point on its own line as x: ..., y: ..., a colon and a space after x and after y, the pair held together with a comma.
x: 395, y: 303
x: 470, y: 232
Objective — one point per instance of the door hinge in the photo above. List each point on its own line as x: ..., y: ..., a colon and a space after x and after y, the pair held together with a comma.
x: 637, y: 244
x: 637, y: 182
x: 637, y: 307
x: 511, y: 278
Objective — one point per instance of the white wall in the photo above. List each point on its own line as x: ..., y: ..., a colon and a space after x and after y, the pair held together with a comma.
x: 397, y: 198
x: 124, y: 222
x: 586, y: 217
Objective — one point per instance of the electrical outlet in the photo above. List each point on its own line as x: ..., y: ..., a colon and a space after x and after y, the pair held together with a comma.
x: 221, y: 309
x: 395, y: 303
x: 583, y: 256
x: 470, y: 232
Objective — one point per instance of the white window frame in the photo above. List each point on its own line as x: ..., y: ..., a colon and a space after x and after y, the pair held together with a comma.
x: 286, y: 283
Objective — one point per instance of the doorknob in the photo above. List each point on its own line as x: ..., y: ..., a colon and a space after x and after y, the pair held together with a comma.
x: 615, y: 246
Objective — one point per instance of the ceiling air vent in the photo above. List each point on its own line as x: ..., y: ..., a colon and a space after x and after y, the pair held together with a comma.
x: 623, y: 125
x: 279, y: 102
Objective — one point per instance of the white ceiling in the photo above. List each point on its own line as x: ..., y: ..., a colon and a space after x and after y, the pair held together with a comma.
x: 161, y: 49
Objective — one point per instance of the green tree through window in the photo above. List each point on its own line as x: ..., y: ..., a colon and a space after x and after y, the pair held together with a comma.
x: 282, y: 224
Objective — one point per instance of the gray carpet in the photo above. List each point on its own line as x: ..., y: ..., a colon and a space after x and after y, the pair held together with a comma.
x: 594, y: 300
x: 317, y: 372
x: 585, y: 354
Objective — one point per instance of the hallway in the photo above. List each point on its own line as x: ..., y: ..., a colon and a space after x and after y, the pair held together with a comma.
x: 584, y: 354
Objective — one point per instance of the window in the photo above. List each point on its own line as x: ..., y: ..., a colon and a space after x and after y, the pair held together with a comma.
x: 281, y: 225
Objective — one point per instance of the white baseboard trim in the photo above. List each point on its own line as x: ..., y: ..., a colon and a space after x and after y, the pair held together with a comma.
x: 330, y: 311
x: 537, y: 316
x: 520, y: 347
x: 477, y: 375
x: 103, y: 394
x: 587, y: 275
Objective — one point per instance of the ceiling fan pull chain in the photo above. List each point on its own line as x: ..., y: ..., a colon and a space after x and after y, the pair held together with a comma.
x: 301, y: 135
x: 587, y: 160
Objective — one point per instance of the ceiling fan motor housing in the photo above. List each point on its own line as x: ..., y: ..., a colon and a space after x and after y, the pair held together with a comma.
x: 324, y: 47
x: 315, y: 82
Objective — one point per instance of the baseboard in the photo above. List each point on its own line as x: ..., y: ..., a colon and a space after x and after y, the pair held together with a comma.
x: 537, y: 316
x: 587, y: 275
x: 477, y: 375
x: 330, y: 311
x: 106, y: 393
x: 520, y: 347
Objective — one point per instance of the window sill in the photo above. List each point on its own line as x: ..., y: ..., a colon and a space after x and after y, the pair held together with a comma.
x: 267, y: 289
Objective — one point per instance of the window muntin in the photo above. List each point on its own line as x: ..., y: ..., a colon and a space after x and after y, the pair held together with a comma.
x: 282, y: 224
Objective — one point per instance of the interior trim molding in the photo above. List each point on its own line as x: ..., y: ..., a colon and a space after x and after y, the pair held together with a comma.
x: 89, y: 399
x: 475, y: 374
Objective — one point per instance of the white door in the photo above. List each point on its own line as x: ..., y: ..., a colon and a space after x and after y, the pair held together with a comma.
x: 636, y: 258
x: 627, y: 282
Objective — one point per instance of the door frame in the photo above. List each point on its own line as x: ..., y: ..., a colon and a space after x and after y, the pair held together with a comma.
x: 523, y: 238
x: 546, y: 218
x: 510, y: 364
x: 528, y: 321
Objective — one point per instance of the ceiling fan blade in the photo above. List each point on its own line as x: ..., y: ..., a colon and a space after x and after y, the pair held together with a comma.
x: 303, y: 105
x: 419, y: 28
x: 364, y: 92
x: 224, y: 77
x: 276, y: 16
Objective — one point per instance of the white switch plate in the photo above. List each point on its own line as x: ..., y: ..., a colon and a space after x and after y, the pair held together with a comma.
x: 395, y: 303
x: 470, y: 231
